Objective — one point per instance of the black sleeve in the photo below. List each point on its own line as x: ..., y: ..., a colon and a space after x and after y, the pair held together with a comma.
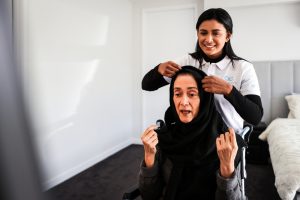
x: 249, y: 107
x: 151, y: 182
x: 153, y: 80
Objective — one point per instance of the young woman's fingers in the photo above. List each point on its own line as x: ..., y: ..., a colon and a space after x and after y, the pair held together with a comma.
x: 170, y: 72
x: 209, y: 80
x: 168, y: 68
x: 216, y: 85
x: 174, y: 65
x: 171, y: 69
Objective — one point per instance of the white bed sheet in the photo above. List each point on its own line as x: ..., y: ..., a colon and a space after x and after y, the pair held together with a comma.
x: 283, y: 136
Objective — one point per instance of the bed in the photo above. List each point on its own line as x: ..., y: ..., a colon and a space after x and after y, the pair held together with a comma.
x: 283, y: 136
x: 280, y: 87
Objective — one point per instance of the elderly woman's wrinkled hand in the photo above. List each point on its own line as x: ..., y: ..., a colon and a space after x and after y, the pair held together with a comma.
x: 150, y: 140
x: 227, y: 149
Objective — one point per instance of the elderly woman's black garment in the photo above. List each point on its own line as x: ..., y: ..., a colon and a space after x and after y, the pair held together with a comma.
x: 191, y: 146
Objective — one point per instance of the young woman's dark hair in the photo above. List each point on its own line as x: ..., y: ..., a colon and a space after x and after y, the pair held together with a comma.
x: 224, y: 18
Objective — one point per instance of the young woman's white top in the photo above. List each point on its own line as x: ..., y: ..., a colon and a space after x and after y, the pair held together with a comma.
x: 241, y: 75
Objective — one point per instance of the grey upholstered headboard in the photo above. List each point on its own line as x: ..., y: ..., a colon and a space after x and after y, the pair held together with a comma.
x: 277, y: 79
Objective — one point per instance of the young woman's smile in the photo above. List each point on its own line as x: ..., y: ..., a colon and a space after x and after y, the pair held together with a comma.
x: 212, y: 37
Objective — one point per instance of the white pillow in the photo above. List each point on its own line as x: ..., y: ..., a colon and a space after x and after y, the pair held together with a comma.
x: 290, y: 116
x: 294, y: 105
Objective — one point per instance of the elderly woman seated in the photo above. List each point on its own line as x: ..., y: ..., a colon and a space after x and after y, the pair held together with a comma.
x: 193, y: 156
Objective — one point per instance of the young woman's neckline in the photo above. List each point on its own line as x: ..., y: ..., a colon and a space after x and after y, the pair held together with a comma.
x: 214, y: 60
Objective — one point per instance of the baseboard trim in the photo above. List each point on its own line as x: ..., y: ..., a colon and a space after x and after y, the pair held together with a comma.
x: 85, y: 165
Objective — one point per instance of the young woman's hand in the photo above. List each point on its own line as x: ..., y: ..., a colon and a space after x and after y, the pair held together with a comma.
x: 214, y: 84
x: 150, y: 140
x: 168, y: 68
x: 227, y: 150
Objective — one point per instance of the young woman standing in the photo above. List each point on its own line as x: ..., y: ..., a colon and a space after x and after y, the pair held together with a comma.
x: 232, y: 79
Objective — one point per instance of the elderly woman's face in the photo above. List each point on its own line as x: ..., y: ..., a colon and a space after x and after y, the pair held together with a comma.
x: 186, y: 98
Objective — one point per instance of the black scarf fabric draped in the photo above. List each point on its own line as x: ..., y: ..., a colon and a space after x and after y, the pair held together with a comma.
x: 191, y: 146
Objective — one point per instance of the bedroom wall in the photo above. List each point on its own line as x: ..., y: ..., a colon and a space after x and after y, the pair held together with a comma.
x: 264, y: 30
x: 163, y: 30
x: 76, y: 58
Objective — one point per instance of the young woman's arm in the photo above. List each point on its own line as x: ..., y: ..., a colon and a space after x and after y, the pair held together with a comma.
x: 249, y: 107
x: 153, y: 80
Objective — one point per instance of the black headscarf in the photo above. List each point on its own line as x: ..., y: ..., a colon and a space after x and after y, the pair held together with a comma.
x: 191, y: 146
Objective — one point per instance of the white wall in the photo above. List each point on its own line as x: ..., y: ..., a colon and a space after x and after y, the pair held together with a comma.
x: 163, y: 30
x: 266, y: 30
x: 77, y: 67
x: 161, y: 42
x: 239, y: 3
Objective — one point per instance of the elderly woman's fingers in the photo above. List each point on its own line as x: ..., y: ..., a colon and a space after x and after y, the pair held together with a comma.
x: 150, y: 140
x: 227, y: 137
x: 148, y: 132
x: 154, y: 142
x: 218, y: 143
x: 149, y: 136
x: 232, y: 134
x: 226, y: 153
x: 221, y: 140
x: 226, y: 141
x: 233, y: 138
